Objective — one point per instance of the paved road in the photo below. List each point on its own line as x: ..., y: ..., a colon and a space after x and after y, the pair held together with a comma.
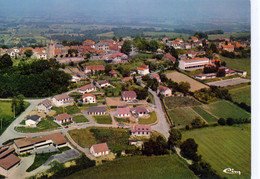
x: 229, y: 82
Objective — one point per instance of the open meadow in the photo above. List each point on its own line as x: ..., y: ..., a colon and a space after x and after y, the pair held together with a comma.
x: 178, y: 77
x: 224, y: 147
x: 241, y: 93
x: 226, y: 109
x: 139, y: 167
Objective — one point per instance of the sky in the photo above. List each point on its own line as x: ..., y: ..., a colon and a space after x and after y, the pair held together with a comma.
x: 132, y: 10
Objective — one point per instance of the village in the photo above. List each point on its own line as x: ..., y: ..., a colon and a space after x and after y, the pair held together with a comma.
x: 116, y: 85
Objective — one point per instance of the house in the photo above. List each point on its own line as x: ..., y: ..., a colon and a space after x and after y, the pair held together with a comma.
x: 136, y: 143
x: 143, y: 70
x: 102, y: 84
x: 163, y: 90
x: 229, y: 48
x: 242, y: 73
x: 186, y: 45
x: 123, y: 112
x: 44, y: 106
x: 89, y: 43
x: 129, y: 96
x: 194, y: 39
x: 75, y: 78
x: 62, y: 100
x: 193, y: 64
x: 140, y: 111
x: 118, y: 58
x: 89, y: 98
x: 126, y: 79
x: 94, y: 68
x: 169, y: 57
x: 99, y: 149
x: 63, y: 118
x: 141, y: 130
x: 113, y: 73
x: 191, y: 54
x: 36, y: 144
x: 96, y: 110
x: 32, y: 121
x: 8, y: 164
x: 104, y: 46
x: 87, y: 88
x: 155, y: 76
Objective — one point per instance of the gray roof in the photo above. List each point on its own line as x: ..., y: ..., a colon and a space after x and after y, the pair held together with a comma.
x: 96, y: 109
x: 34, y: 117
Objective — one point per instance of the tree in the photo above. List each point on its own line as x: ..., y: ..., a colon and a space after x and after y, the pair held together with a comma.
x: 174, y: 138
x: 184, y: 87
x: 108, y: 68
x: 126, y: 47
x: 221, y: 73
x: 4, y: 47
x: 28, y: 53
x: 155, y: 147
x: 153, y: 45
x: 213, y: 48
x: 163, y: 77
x: 18, y: 105
x: 120, y: 39
x: 223, y: 63
x: 141, y: 93
x: 230, y: 121
x: 221, y: 121
x: 73, y: 52
x: 5, y: 61
x: 189, y: 149
x: 196, y: 122
x: 114, y: 38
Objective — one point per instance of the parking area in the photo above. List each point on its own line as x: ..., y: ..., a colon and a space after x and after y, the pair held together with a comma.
x: 229, y: 82
x: 67, y: 155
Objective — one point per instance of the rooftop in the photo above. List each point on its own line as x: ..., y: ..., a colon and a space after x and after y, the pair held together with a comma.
x: 63, y: 116
x: 102, y: 147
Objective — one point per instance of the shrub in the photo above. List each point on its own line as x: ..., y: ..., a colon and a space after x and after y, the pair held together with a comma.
x: 222, y: 121
x: 230, y: 121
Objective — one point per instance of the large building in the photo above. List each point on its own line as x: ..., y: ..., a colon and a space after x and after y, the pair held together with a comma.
x: 193, y: 64
x: 33, y: 144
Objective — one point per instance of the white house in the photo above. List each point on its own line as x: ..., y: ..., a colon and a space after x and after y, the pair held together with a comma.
x: 87, y: 88
x: 140, y: 111
x: 89, y: 98
x: 123, y: 112
x: 163, y: 90
x: 32, y: 121
x: 44, y: 106
x: 129, y: 96
x: 95, y: 110
x: 63, y: 118
x: 141, y: 130
x: 193, y: 64
x: 62, y: 100
x: 143, y: 70
x: 102, y: 84
x: 99, y: 149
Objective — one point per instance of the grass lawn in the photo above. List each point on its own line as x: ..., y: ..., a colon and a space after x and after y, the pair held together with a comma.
x: 39, y: 160
x: 208, y: 117
x: 224, y: 147
x: 139, y: 167
x: 45, y: 125
x: 122, y: 120
x: 150, y: 97
x: 176, y: 101
x: 104, y: 119
x: 241, y: 94
x: 6, y: 108
x: 182, y: 116
x: 117, y: 139
x: 226, y: 109
x: 150, y: 120
x: 80, y: 118
x: 68, y: 109
x: 239, y: 64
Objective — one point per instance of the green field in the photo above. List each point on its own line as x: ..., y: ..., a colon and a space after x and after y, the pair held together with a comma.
x: 5, y: 108
x: 167, y: 34
x: 117, y: 139
x: 239, y: 64
x: 104, y: 119
x: 150, y: 120
x: 68, y: 109
x: 122, y: 120
x: 182, y: 116
x: 204, y: 114
x: 80, y: 118
x: 241, y: 93
x: 226, y: 109
x: 175, y: 101
x: 224, y: 147
x: 45, y: 125
x: 139, y: 167
x: 227, y: 35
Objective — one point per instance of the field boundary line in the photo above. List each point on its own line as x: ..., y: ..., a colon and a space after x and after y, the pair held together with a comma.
x: 199, y: 115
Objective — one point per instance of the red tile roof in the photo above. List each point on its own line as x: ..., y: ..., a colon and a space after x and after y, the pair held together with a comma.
x: 86, y: 95
x: 141, y: 128
x: 142, y: 67
x: 113, y: 72
x: 88, y: 86
x: 63, y: 116
x: 140, y: 109
x: 61, y: 96
x: 9, y: 151
x: 95, y: 67
x: 102, y: 147
x: 228, y: 46
x: 162, y: 88
x: 125, y: 110
x: 126, y: 79
x: 116, y: 55
x: 9, y: 161
x: 196, y: 59
x: 170, y: 57
x: 129, y: 94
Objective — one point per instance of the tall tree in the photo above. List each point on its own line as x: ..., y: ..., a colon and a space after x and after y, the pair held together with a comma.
x: 28, y: 53
x: 5, y: 61
x: 126, y: 47
x: 174, y: 138
x: 189, y: 149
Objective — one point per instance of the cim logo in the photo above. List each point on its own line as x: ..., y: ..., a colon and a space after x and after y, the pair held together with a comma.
x: 231, y: 171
